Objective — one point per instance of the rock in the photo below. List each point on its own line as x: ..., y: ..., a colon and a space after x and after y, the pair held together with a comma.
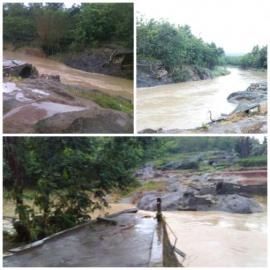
x: 238, y: 204
x: 146, y: 172
x: 170, y: 201
x: 19, y: 69
x: 191, y: 73
x: 256, y: 93
x: 50, y: 77
x: 228, y: 203
x: 151, y: 73
x: 149, y: 201
x: 233, y: 188
x: 110, y: 61
x: 95, y: 120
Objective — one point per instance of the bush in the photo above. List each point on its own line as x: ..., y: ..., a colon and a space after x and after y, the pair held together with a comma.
x: 253, y: 161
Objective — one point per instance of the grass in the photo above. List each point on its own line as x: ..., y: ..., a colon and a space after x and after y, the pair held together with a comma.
x: 103, y: 100
x: 138, y: 187
x: 253, y: 161
x: 220, y: 71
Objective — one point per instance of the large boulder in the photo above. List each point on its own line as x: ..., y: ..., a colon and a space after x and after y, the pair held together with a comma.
x: 255, y: 94
x: 146, y: 172
x: 238, y: 204
x: 170, y: 201
x: 96, y: 120
x: 19, y: 69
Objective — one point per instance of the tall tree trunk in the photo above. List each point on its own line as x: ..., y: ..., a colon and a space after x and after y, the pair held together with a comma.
x: 12, y: 145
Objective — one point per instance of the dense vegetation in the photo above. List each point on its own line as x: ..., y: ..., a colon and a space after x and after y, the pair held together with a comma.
x: 71, y: 176
x: 55, y: 28
x: 257, y: 58
x: 175, y: 46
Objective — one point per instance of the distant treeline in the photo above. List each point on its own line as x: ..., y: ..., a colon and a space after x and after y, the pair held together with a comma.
x: 245, y: 146
x: 55, y: 28
x: 257, y: 58
x: 175, y: 45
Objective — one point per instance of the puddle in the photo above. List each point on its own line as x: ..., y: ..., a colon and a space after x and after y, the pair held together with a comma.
x: 9, y: 87
x: 54, y: 108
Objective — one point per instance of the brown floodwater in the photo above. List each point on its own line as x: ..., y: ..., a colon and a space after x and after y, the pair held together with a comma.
x: 220, y: 239
x: 209, y: 239
x: 216, y: 238
x: 114, y: 86
x: 187, y: 105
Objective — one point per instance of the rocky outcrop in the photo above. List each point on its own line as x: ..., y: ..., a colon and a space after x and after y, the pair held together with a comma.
x: 146, y: 172
x: 19, y: 69
x: 230, y: 191
x: 150, y: 73
x: 250, y: 99
x: 109, y: 61
x: 153, y: 72
x: 96, y: 120
x: 43, y: 104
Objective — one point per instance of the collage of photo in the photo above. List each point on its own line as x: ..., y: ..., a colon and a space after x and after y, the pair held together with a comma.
x: 134, y: 133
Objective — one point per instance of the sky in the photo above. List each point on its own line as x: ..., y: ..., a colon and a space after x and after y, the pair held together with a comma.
x: 234, y: 25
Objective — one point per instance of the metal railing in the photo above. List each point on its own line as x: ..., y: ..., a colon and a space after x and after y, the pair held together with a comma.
x: 160, y: 218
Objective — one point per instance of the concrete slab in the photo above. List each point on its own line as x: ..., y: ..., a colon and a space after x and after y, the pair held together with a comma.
x: 127, y: 244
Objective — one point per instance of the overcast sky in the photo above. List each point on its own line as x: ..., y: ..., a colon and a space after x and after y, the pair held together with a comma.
x: 235, y: 25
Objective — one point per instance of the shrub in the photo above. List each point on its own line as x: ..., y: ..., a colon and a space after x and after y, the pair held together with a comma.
x: 253, y: 161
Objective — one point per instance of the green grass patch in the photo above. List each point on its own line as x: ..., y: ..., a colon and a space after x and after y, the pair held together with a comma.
x: 148, y: 186
x: 220, y: 71
x: 103, y: 100
x: 253, y: 161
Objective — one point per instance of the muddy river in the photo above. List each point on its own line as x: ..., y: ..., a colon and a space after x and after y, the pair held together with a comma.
x: 109, y: 84
x: 207, y: 238
x: 217, y: 239
x: 220, y: 239
x: 187, y: 105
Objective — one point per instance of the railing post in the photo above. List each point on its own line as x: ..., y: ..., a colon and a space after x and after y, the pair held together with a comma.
x: 159, y: 214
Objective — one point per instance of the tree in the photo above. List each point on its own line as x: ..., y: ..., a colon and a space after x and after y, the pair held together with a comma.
x: 243, y: 147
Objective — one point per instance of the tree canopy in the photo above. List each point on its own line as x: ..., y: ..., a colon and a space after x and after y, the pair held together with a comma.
x: 257, y: 58
x: 56, y: 28
x: 175, y: 45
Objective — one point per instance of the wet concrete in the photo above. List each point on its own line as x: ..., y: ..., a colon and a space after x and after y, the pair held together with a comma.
x: 126, y: 244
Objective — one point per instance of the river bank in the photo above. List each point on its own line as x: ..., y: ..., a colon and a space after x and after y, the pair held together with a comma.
x: 152, y: 73
x: 185, y: 107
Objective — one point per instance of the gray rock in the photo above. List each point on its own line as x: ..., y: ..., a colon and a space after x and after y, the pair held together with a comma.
x: 19, y: 69
x: 238, y: 204
x: 256, y: 93
x: 146, y: 172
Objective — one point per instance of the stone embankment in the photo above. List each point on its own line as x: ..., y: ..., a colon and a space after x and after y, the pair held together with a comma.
x: 151, y: 73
